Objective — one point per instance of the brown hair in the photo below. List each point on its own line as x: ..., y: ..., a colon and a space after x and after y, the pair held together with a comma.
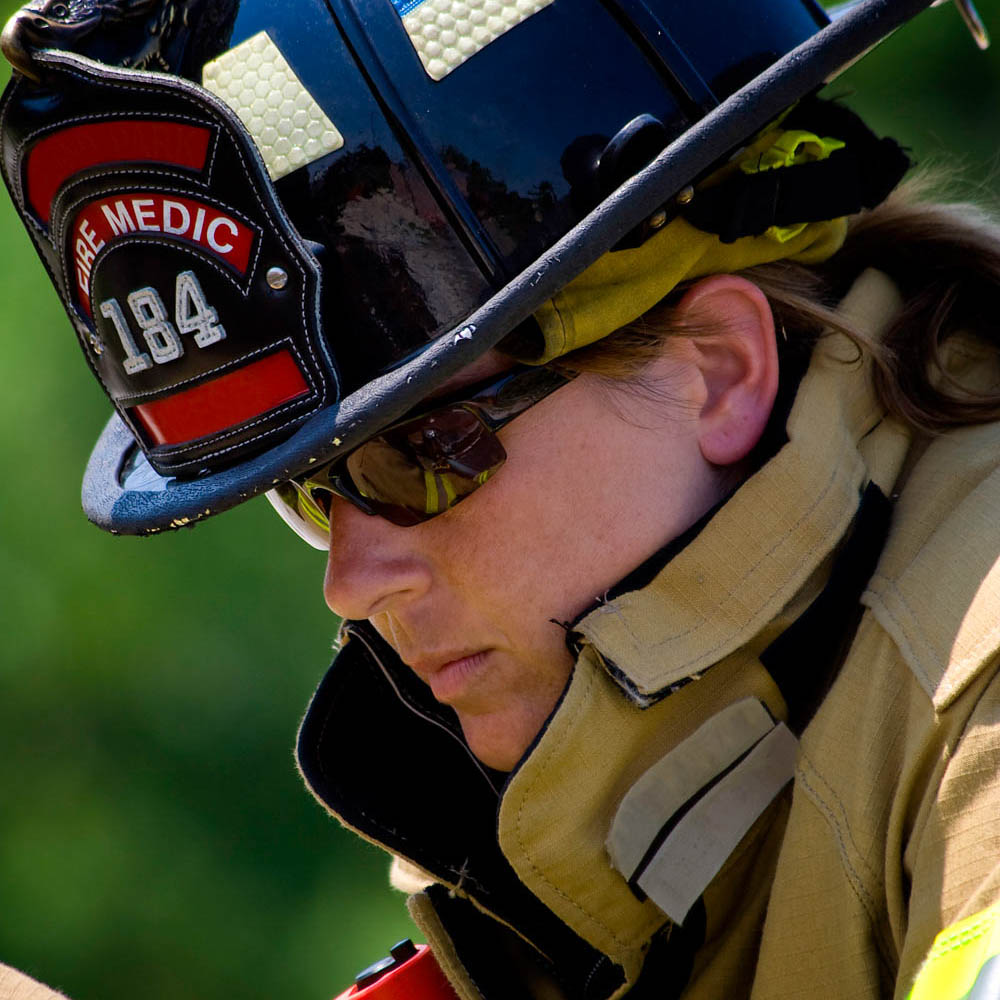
x: 945, y: 260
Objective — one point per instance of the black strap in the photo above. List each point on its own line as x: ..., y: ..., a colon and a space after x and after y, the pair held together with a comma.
x: 859, y: 176
x: 806, y: 657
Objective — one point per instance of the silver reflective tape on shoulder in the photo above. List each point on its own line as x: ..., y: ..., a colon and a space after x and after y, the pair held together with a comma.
x: 289, y: 127
x: 710, y: 831
x: 447, y: 32
x: 677, y: 777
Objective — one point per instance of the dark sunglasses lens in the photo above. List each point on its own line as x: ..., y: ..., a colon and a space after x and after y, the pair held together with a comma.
x: 425, y: 466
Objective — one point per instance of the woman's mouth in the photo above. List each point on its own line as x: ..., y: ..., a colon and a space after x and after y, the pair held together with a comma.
x: 450, y: 679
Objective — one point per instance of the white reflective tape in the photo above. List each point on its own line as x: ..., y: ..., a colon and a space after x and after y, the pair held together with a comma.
x: 447, y: 32
x: 290, y: 129
x: 677, y: 777
x: 711, y: 830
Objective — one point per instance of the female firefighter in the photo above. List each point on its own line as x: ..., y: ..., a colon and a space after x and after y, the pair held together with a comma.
x: 649, y: 424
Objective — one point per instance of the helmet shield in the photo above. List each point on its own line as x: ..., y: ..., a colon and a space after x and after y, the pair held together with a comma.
x: 167, y: 245
x: 400, y: 185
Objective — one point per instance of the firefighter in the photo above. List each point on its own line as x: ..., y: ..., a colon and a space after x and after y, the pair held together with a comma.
x: 648, y: 418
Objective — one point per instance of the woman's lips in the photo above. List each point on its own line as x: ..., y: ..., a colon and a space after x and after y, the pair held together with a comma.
x: 450, y: 679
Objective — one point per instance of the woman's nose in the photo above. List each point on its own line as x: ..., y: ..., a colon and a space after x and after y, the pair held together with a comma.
x: 373, y: 565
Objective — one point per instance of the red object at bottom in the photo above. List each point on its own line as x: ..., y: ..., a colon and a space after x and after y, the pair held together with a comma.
x: 418, y: 978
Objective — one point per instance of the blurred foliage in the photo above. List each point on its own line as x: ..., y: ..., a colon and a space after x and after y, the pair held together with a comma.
x: 155, y: 840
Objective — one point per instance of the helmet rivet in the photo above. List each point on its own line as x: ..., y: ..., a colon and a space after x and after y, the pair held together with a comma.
x: 97, y: 344
x: 277, y: 278
x: 685, y: 196
x: 658, y: 219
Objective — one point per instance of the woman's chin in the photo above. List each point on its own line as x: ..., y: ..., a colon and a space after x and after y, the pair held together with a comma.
x: 497, y: 740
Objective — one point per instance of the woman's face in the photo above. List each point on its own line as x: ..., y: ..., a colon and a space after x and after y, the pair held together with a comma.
x: 596, y: 479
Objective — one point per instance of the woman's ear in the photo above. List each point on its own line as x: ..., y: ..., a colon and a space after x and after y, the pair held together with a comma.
x: 737, y: 358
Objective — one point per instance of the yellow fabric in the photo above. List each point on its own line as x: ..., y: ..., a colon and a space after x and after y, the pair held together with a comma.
x: 622, y: 285
x: 958, y: 956
x: 790, y: 148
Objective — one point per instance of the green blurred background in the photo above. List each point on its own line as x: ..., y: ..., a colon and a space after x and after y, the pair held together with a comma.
x: 155, y: 840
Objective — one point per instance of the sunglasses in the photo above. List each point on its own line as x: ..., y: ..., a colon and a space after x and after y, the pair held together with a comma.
x: 421, y: 466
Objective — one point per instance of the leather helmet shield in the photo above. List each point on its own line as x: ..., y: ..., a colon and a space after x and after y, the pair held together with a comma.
x: 195, y: 301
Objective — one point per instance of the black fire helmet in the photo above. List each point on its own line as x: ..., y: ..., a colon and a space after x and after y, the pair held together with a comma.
x: 277, y: 227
